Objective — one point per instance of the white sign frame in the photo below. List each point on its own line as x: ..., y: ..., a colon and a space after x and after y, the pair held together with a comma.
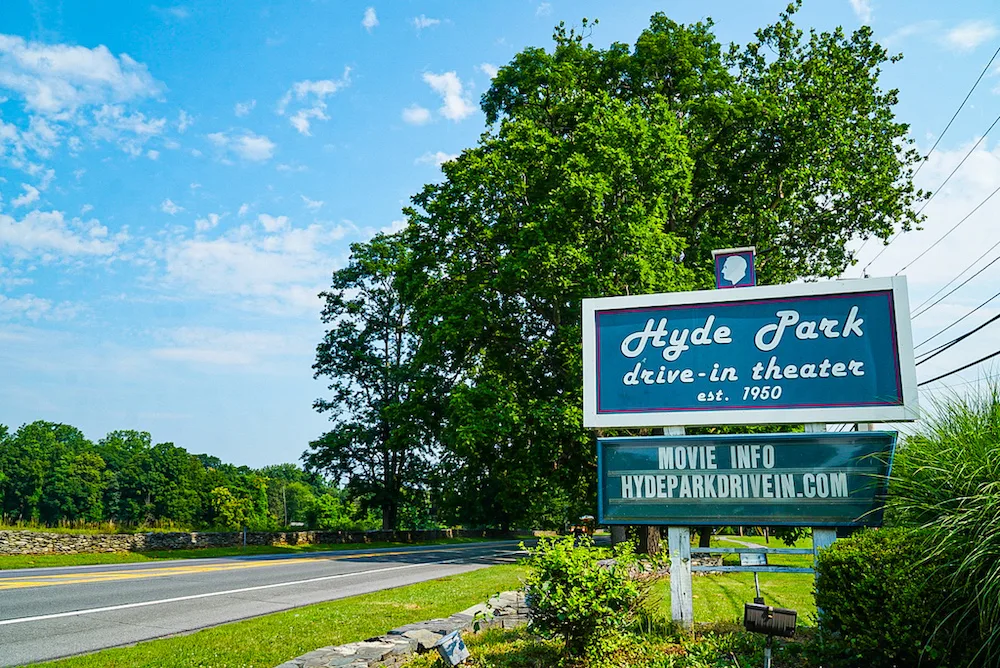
x: 907, y: 412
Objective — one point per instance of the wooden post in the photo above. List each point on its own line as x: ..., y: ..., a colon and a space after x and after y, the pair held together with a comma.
x: 681, y: 600
x: 679, y: 544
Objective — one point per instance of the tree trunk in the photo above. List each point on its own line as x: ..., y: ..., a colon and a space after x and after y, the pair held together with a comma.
x: 618, y: 534
x: 649, y: 539
x: 389, y: 516
x: 704, y: 536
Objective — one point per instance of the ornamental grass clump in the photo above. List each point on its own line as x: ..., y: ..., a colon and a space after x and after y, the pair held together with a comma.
x: 586, y: 596
x: 946, y: 480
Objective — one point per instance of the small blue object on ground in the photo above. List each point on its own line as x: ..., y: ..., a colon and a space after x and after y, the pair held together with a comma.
x: 452, y: 649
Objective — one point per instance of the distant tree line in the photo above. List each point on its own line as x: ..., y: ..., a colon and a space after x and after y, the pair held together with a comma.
x: 453, y: 348
x: 51, y: 475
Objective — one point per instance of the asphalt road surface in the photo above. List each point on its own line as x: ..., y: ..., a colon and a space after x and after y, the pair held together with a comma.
x: 48, y: 613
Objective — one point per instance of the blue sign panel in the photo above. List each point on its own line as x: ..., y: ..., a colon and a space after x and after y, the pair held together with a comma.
x: 735, y: 268
x: 824, y: 479
x: 797, y: 353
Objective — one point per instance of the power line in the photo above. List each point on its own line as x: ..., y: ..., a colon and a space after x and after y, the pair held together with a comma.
x: 945, y: 286
x: 938, y: 141
x: 961, y: 368
x: 942, y: 388
x: 940, y: 349
x: 945, y: 329
x: 955, y: 115
x: 927, y: 201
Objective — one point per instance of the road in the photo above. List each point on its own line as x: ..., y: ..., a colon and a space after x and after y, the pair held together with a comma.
x: 48, y: 613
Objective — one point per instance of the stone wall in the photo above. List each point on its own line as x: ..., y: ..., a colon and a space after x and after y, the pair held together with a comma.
x: 40, y: 542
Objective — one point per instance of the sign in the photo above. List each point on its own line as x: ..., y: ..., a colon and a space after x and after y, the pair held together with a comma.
x: 452, y: 649
x: 753, y: 559
x: 735, y: 268
x: 838, y: 351
x: 821, y: 479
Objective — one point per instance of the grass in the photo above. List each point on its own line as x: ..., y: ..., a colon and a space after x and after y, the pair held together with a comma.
x: 264, y: 642
x: 805, y: 560
x: 8, y: 562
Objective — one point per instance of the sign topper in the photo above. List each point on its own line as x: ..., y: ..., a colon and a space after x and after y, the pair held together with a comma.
x: 837, y: 351
x: 823, y: 479
x: 735, y: 268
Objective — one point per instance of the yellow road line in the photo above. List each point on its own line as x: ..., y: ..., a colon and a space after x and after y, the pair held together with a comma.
x: 113, y: 576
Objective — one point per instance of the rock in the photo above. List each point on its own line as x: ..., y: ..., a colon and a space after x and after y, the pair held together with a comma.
x: 425, y: 639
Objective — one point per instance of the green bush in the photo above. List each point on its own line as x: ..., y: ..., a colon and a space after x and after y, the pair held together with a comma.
x: 584, y: 595
x: 884, y: 602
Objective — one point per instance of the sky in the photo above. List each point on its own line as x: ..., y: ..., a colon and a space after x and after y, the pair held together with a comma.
x: 179, y: 181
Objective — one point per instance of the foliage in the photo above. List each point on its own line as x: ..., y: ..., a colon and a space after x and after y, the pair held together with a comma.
x: 885, y: 602
x: 335, y: 513
x: 946, y: 479
x: 367, y: 355
x: 51, y: 475
x: 584, y: 595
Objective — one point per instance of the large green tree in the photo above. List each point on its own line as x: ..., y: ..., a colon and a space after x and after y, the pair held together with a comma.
x: 617, y: 171
x: 376, y: 442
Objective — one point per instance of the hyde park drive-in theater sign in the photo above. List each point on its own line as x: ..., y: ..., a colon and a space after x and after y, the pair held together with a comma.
x: 836, y: 351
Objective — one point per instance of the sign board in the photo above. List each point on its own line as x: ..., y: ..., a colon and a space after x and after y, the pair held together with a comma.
x: 735, y: 267
x: 753, y: 559
x: 838, y: 351
x: 452, y: 649
x: 820, y: 479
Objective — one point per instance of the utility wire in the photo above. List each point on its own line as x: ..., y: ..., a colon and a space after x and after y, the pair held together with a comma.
x: 955, y: 115
x: 926, y: 157
x: 940, y: 349
x: 945, y: 286
x: 955, y: 226
x: 945, y: 329
x: 959, y: 286
x: 961, y: 368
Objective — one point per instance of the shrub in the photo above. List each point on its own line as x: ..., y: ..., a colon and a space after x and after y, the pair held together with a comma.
x: 580, y: 594
x: 884, y: 603
x: 946, y: 480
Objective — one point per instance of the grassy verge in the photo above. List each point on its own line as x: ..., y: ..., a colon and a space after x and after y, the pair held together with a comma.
x: 265, y: 642
x: 804, y: 560
x: 8, y: 562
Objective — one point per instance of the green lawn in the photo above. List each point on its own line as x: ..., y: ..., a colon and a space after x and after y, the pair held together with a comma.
x: 805, y: 560
x: 264, y: 642
x: 8, y: 562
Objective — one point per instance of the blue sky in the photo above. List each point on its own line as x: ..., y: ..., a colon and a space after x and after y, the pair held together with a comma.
x: 178, y: 181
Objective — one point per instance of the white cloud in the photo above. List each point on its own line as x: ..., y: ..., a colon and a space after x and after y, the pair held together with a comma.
x: 416, y: 115
x: 456, y: 104
x: 207, y: 345
x: 280, y: 269
x: 311, y: 95
x: 489, y: 69
x: 370, y: 20
x: 244, y: 209
x: 437, y: 158
x: 312, y: 204
x: 30, y: 196
x: 544, y: 9
x: 184, y: 121
x: 967, y: 36
x: 394, y: 226
x: 207, y: 223
x: 194, y: 186
x: 285, y: 167
x: 244, y: 108
x: 35, y: 308
x: 169, y: 207
x: 422, y: 21
x: 153, y: 155
x: 249, y: 146
x: 56, y: 79
x: 863, y: 10
x: 86, y: 208
x: 45, y: 232
x: 273, y: 223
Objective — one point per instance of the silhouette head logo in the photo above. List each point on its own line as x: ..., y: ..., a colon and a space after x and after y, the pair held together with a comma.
x: 734, y: 269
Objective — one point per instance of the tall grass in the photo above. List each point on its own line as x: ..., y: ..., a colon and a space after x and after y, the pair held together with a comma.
x: 946, y: 479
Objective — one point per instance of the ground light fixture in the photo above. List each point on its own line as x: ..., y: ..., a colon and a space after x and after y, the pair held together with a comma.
x: 768, y: 620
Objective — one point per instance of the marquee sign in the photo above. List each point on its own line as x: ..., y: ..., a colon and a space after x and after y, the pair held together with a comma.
x: 837, y: 351
x: 821, y: 479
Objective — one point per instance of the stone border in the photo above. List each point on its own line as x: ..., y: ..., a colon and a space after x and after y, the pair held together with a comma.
x: 42, y: 542
x: 507, y: 610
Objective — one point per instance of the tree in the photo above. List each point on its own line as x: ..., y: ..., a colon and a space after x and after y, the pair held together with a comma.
x: 617, y: 171
x: 367, y: 355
